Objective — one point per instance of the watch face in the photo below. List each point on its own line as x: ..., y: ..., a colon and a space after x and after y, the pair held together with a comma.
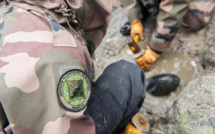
x: 74, y: 89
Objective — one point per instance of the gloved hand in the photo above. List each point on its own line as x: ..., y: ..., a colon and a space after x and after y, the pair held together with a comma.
x: 137, y: 29
x: 130, y: 129
x: 147, y: 59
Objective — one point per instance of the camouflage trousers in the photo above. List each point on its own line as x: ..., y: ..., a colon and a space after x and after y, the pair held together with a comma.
x: 171, y: 15
x: 198, y: 15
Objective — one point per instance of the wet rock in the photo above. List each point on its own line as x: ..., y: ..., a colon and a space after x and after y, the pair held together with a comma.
x: 113, y: 45
x: 159, y: 112
x: 207, y: 54
x: 208, y: 57
x: 194, y: 110
x: 161, y: 85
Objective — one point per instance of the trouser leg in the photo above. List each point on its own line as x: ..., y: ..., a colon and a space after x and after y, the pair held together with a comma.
x: 117, y: 95
x: 199, y: 16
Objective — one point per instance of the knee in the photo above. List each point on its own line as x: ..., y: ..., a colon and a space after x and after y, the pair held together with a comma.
x: 135, y: 76
x: 125, y: 79
x: 196, y: 19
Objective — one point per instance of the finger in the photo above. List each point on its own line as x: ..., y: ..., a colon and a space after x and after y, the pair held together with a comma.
x: 141, y: 36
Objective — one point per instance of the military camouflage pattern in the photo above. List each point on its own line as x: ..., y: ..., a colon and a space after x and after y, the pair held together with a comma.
x: 36, y: 48
x: 193, y: 14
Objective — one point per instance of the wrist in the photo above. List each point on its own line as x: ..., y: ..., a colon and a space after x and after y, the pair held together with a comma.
x: 155, y: 51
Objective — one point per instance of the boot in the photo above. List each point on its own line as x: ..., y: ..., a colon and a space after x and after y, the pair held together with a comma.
x: 162, y: 85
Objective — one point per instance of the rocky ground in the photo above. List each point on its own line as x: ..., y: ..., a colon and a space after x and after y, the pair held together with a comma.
x: 191, y: 56
x: 195, y: 108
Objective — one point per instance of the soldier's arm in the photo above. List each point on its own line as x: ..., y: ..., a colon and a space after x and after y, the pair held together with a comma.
x: 170, y: 17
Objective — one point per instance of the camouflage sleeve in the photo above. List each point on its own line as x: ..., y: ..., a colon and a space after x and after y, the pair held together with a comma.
x: 132, y: 9
x: 37, y: 55
x: 94, y: 17
x: 170, y: 17
x: 35, y: 52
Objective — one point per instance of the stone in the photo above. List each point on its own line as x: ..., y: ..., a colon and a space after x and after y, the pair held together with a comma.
x: 163, y: 84
x: 194, y: 111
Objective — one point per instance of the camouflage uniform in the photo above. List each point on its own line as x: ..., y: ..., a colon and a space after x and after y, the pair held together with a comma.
x: 33, y: 56
x: 38, y: 45
x: 194, y: 14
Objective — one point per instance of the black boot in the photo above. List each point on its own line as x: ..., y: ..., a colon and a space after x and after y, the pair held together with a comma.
x: 161, y: 85
x: 125, y: 29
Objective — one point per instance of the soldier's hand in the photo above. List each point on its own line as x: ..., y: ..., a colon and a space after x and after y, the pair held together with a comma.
x: 147, y: 59
x: 137, y: 29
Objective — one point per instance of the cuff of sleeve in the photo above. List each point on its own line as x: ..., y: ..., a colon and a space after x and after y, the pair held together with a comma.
x: 158, y: 47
